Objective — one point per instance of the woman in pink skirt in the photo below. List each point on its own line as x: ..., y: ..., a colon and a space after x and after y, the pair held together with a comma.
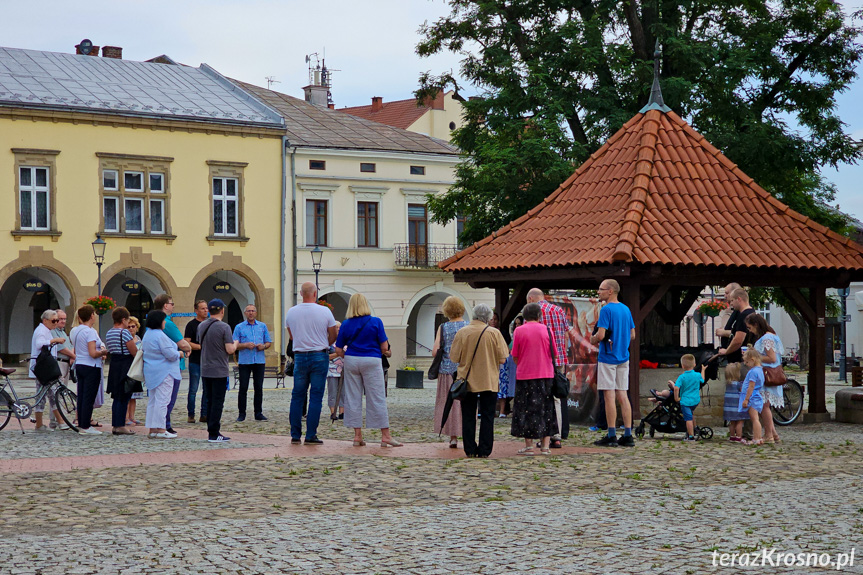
x: 453, y: 309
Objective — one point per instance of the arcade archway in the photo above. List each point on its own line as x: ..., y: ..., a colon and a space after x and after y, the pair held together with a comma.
x: 23, y: 297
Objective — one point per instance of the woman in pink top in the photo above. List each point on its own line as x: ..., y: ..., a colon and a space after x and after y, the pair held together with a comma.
x: 533, y: 415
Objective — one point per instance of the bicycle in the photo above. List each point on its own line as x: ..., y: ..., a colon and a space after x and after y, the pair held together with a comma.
x: 792, y: 393
x: 65, y: 398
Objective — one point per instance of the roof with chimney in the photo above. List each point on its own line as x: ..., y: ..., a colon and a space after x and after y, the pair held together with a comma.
x: 313, y: 126
x: 399, y: 113
x: 72, y: 82
x: 659, y: 193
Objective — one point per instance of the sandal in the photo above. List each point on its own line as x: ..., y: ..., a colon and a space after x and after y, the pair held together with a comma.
x: 359, y: 443
x: 545, y: 452
x: 752, y: 442
x: 525, y: 451
x: 94, y: 423
x: 767, y: 441
x: 123, y: 432
x: 453, y: 444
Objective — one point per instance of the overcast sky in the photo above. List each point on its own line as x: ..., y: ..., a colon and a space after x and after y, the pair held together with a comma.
x: 369, y: 43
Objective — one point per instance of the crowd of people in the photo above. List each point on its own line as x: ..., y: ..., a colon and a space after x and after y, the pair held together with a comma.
x: 349, y: 361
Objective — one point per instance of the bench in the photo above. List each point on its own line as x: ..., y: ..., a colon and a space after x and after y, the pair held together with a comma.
x: 269, y: 371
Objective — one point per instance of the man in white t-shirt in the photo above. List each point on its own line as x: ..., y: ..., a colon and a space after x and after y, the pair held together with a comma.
x: 312, y: 328
x: 41, y: 338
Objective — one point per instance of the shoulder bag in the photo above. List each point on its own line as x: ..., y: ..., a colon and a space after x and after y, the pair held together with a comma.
x: 458, y: 389
x: 434, y: 368
x: 560, y: 384
x: 45, y: 368
x: 774, y: 376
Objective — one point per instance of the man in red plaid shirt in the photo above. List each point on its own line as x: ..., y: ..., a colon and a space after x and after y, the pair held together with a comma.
x: 554, y: 317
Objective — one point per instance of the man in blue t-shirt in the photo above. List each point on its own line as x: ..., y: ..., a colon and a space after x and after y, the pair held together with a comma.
x: 615, y: 329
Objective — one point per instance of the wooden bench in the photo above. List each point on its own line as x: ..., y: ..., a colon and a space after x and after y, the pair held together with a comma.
x: 269, y: 371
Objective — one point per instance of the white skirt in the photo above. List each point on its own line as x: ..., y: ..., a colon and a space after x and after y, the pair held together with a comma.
x: 774, y: 395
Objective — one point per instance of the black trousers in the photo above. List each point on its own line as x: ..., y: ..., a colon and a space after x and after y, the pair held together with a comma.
x: 256, y: 370
x: 601, y: 420
x: 89, y: 380
x: 487, y: 402
x: 215, y: 388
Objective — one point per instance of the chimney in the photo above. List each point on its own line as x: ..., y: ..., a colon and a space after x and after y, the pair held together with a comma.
x: 86, y: 48
x: 377, y: 103
x: 317, y: 95
x: 331, y: 106
x: 115, y: 52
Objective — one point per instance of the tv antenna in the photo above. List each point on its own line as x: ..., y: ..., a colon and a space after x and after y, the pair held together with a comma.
x: 319, y: 74
x: 270, y: 81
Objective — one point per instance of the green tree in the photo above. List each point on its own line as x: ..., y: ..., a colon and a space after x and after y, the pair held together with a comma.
x: 556, y: 78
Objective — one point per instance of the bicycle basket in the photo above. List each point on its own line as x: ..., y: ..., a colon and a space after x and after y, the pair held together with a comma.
x: 46, y: 369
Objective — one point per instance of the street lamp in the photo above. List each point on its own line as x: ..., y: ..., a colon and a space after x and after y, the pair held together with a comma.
x: 317, y: 255
x: 99, y: 246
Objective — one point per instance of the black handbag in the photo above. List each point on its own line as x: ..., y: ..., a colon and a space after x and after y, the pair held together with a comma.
x: 289, y: 368
x: 458, y: 389
x: 131, y: 386
x: 560, y: 384
x: 434, y: 368
x: 46, y: 369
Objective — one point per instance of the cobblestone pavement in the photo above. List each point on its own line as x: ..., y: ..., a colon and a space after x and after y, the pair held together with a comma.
x: 662, y: 507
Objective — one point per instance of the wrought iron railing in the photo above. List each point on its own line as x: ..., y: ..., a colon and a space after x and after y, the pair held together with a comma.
x: 422, y: 255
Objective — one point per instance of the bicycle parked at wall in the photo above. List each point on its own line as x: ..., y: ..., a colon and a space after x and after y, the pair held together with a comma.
x: 22, y: 407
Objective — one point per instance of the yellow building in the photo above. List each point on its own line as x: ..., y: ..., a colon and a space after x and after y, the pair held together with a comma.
x: 178, y: 170
x: 436, y: 118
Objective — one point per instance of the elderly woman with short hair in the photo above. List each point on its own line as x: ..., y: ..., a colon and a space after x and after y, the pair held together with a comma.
x: 361, y: 341
x: 453, y: 309
x: 161, y: 368
x: 122, y: 350
x: 479, y: 350
x: 534, y: 415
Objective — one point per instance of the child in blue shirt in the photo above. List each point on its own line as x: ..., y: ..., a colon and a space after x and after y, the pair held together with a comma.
x: 687, y: 392
x: 750, y: 394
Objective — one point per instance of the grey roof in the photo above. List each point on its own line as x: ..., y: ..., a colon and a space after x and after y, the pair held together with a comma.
x: 308, y: 125
x: 57, y: 81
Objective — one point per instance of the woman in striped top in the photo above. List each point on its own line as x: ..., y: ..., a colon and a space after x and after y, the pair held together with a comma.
x: 121, y: 346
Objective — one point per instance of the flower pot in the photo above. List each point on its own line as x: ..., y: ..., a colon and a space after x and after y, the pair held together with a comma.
x: 409, y: 379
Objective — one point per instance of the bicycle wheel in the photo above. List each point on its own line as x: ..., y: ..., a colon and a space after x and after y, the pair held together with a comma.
x: 793, y: 396
x: 5, y: 409
x: 67, y: 405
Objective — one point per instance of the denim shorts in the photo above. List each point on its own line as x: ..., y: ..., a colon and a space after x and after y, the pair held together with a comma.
x: 687, y: 412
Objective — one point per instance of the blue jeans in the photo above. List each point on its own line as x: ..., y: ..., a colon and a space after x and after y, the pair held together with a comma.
x: 194, y: 382
x: 174, y: 392
x: 310, y: 371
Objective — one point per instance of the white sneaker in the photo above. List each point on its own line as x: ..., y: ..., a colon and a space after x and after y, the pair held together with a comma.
x: 62, y: 427
x: 89, y: 431
x: 43, y: 429
x: 165, y: 435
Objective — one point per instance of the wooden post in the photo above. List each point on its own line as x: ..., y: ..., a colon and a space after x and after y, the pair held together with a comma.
x: 632, y: 299
x: 817, y: 351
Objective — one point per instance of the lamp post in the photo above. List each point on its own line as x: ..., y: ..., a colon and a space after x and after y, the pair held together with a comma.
x: 99, y: 246
x: 317, y: 255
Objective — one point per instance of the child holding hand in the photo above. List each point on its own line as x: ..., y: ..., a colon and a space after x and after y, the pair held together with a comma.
x: 750, y: 394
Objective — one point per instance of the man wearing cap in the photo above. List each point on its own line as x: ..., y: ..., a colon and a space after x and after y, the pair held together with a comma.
x: 253, y: 339
x: 312, y: 328
x: 217, y: 345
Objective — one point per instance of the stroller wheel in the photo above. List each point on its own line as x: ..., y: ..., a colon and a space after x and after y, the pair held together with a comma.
x: 705, y: 433
x: 639, y: 431
x: 652, y: 432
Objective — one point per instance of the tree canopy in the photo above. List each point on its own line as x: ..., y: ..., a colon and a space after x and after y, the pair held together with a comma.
x: 556, y: 78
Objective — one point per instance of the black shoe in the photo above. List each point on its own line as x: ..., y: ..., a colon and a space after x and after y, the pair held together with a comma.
x: 260, y: 417
x: 219, y: 439
x: 170, y: 430
x: 202, y: 419
x: 241, y: 418
x: 606, y: 441
x: 555, y: 444
x: 314, y: 441
x: 626, y: 441
x: 295, y: 441
x: 341, y: 416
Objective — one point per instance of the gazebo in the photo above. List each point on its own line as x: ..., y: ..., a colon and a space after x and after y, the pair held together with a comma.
x: 665, y: 213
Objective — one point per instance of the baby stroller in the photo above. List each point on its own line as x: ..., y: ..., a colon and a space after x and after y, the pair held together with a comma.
x: 667, y: 416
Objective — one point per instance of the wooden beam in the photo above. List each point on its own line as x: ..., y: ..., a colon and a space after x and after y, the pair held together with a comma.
x: 644, y: 308
x: 801, y: 304
x: 818, y: 351
x: 509, y: 306
x: 632, y: 299
x: 681, y: 308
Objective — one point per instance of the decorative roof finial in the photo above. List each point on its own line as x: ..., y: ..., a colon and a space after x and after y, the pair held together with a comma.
x: 656, y: 102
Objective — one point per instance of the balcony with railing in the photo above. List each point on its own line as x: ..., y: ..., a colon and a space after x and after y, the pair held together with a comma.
x: 422, y: 256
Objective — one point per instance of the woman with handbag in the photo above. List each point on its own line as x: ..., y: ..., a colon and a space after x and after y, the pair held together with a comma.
x: 89, y: 353
x: 361, y: 341
x: 134, y: 328
x: 771, y: 349
x: 453, y: 309
x: 122, y: 350
x: 533, y: 413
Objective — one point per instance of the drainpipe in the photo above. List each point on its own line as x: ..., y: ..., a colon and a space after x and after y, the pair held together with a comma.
x: 294, y: 224
x: 281, y: 319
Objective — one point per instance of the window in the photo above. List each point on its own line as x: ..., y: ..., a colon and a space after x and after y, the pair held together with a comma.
x: 418, y: 170
x: 460, y: 221
x: 35, y: 193
x: 316, y: 222
x: 317, y: 165
x: 367, y: 224
x: 34, y: 198
x: 227, y: 183
x: 225, y: 207
x: 135, y: 194
x: 418, y: 234
x: 366, y: 167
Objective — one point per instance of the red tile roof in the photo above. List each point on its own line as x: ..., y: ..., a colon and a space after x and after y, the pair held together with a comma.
x: 399, y: 114
x: 659, y: 193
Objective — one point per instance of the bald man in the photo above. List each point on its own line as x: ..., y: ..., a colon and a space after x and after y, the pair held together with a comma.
x: 312, y: 329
